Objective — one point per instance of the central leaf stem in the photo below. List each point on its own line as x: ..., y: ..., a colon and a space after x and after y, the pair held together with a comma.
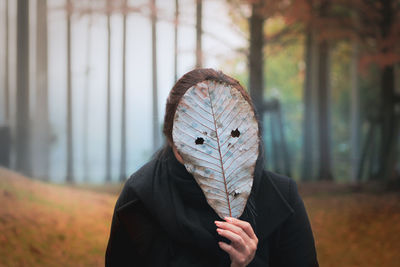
x: 219, y: 151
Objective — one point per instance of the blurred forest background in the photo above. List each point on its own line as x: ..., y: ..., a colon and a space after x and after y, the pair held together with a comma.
x: 82, y: 97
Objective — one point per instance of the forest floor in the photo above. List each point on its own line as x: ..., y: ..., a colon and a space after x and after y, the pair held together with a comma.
x: 52, y: 225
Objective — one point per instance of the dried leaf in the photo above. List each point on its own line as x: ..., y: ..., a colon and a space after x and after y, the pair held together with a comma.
x: 216, y: 133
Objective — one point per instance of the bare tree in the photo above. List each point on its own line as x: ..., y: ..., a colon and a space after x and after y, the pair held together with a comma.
x: 354, y: 113
x: 23, y: 162
x: 42, y: 127
x: 325, y: 169
x: 256, y: 56
x: 123, y: 99
x: 70, y: 148
x: 388, y: 11
x: 86, y: 96
x: 108, y: 124
x: 7, y: 68
x: 156, y: 129
x: 199, y: 32
x: 306, y: 173
x: 176, y: 40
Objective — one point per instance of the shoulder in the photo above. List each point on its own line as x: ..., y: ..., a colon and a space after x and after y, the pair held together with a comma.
x: 285, y: 186
x: 145, y: 170
x: 128, y: 193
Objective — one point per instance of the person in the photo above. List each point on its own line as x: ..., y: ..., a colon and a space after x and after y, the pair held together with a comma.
x: 162, y: 217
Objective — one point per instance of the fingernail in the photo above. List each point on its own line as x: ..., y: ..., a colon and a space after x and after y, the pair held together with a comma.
x: 217, y: 222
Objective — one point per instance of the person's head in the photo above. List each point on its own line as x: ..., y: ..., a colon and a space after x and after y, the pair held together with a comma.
x: 211, y: 125
x: 187, y: 81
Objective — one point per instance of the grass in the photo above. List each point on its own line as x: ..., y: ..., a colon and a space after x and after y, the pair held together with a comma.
x: 51, y: 225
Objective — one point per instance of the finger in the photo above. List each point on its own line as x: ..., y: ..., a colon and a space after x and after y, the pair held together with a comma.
x: 235, y: 255
x: 244, y: 225
x: 236, y: 239
x: 233, y: 228
x: 229, y: 249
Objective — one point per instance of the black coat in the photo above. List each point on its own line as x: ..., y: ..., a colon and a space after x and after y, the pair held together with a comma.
x: 162, y: 219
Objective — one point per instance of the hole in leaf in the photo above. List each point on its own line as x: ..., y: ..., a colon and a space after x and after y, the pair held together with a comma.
x: 235, y: 193
x: 235, y: 133
x: 199, y: 141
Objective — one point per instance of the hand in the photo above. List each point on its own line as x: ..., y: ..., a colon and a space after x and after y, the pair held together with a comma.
x: 243, y: 241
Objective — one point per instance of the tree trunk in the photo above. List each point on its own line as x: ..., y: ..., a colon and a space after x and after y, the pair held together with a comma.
x: 23, y: 163
x: 199, y: 31
x: 42, y: 125
x: 286, y: 161
x: 156, y: 129
x: 70, y: 148
x: 314, y: 106
x: 325, y: 171
x: 256, y: 59
x: 176, y: 40
x: 108, y: 123
x: 307, y: 174
x: 7, y: 68
x: 122, y: 176
x: 388, y: 140
x: 86, y: 98
x: 275, y: 155
x: 355, y: 114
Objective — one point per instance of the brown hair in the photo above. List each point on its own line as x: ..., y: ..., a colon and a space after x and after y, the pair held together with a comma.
x: 187, y: 81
